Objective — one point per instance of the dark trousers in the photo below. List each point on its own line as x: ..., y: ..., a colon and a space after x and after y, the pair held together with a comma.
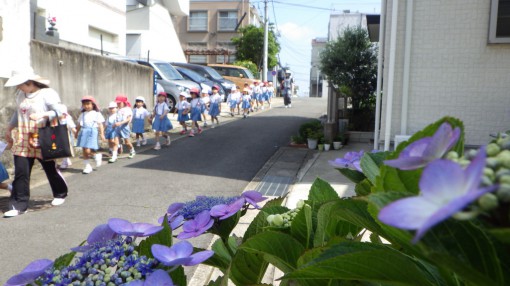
x: 286, y: 97
x: 21, y: 185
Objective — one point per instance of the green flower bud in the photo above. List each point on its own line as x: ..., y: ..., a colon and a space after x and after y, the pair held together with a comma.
x: 471, y: 154
x: 464, y: 162
x: 504, y: 179
x: 492, y: 162
x: 278, y: 220
x: 504, y: 158
x: 489, y: 173
x: 300, y: 204
x: 505, y: 143
x: 503, y: 193
x: 493, y: 149
x: 465, y: 215
x: 270, y: 219
x: 486, y: 181
x: 452, y: 155
x: 488, y: 201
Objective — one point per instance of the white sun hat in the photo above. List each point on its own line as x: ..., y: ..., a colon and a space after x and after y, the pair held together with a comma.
x: 21, y: 76
x: 140, y: 98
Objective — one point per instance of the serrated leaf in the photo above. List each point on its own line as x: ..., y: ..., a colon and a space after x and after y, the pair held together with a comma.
x: 330, y: 226
x: 321, y: 192
x: 247, y: 268
x: 369, y: 167
x: 353, y: 175
x: 280, y: 249
x: 301, y: 227
x: 363, y: 262
x: 64, y: 260
x: 274, y: 202
x: 363, y: 188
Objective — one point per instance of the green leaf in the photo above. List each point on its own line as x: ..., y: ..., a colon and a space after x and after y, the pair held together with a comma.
x: 64, y: 260
x: 274, y: 202
x: 321, y: 192
x: 473, y: 257
x: 363, y: 188
x: 223, y: 228
x: 353, y: 175
x: 247, y: 268
x: 501, y: 234
x: 369, y: 166
x: 221, y: 258
x: 365, y: 262
x: 178, y: 276
x: 280, y: 249
x: 164, y: 237
x: 330, y: 226
x: 301, y: 227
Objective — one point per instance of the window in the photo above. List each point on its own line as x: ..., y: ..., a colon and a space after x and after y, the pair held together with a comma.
x: 227, y: 20
x: 499, y: 27
x: 226, y: 59
x: 197, y: 21
x: 197, y: 47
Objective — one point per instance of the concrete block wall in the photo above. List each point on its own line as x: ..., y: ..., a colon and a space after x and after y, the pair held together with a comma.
x: 74, y: 74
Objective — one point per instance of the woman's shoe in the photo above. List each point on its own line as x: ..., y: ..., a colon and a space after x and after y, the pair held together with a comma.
x: 13, y: 213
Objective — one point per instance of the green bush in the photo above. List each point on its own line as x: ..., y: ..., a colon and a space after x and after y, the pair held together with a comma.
x: 311, y: 126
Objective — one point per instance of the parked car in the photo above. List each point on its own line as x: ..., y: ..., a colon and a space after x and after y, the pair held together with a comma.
x: 239, y: 75
x: 208, y: 73
x: 170, y: 79
x: 193, y: 76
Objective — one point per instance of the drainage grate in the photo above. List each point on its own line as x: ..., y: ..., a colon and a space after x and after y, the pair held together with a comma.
x: 274, y: 185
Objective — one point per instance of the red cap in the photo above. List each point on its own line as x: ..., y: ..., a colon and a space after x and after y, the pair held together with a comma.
x: 122, y: 98
x: 194, y: 90
x: 162, y: 93
x: 216, y: 87
x: 88, y: 98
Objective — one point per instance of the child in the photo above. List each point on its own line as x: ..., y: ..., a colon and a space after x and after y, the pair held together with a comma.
x: 109, y: 133
x: 182, y: 109
x: 122, y: 129
x: 139, y: 114
x: 270, y: 92
x: 240, y: 93
x: 90, y: 126
x: 246, y: 102
x: 161, y: 123
x: 3, y: 172
x: 233, y: 100
x: 71, y: 126
x: 257, y: 93
x: 206, y: 100
x: 264, y: 95
x: 196, y: 111
x: 215, y: 105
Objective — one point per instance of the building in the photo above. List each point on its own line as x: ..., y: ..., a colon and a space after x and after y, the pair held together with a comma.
x: 444, y: 58
x: 206, y: 34
x: 317, y: 84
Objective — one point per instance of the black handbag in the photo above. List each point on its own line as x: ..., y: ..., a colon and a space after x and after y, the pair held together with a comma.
x: 55, y: 141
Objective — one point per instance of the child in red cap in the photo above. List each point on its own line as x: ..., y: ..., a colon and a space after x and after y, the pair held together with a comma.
x: 89, y: 128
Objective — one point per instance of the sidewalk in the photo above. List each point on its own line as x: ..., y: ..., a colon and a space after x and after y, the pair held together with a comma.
x: 313, y: 164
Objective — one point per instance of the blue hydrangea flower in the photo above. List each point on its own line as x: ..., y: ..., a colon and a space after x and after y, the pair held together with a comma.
x: 179, y: 254
x: 191, y: 209
x: 445, y: 190
x: 425, y: 150
x: 253, y: 197
x: 225, y: 211
x: 195, y: 227
x: 158, y: 277
x: 350, y: 160
x: 30, y: 273
x: 124, y: 227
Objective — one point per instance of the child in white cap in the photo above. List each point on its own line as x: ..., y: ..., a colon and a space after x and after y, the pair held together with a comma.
x: 182, y: 109
x: 233, y: 99
x: 110, y: 132
x: 161, y: 124
x: 140, y: 113
x: 215, y: 105
x: 205, y: 107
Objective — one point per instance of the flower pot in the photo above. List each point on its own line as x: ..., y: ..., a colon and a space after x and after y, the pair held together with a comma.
x: 312, y: 143
x: 337, y: 145
x: 321, y: 147
x: 327, y: 147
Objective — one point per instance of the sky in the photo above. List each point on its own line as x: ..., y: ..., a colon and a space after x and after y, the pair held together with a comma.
x: 300, y: 21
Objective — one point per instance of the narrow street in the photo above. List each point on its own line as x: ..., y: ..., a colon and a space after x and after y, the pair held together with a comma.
x: 219, y: 162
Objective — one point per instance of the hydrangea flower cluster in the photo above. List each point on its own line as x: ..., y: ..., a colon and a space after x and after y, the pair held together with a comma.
x: 285, y: 219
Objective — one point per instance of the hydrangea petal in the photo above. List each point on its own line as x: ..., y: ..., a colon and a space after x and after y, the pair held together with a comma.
x: 30, y: 272
x: 183, y: 248
x: 253, y: 197
x: 442, y: 180
x: 408, y: 213
x: 443, y: 139
x: 168, y: 255
x: 160, y: 278
x: 120, y: 226
x: 101, y: 233
x: 200, y: 257
x: 474, y: 170
x: 146, y: 229
x: 219, y: 210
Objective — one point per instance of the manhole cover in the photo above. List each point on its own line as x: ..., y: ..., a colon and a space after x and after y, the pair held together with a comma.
x: 274, y: 185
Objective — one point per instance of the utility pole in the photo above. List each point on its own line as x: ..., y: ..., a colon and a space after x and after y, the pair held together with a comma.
x: 266, y: 32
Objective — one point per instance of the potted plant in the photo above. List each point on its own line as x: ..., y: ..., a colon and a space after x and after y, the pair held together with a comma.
x: 312, y: 137
x: 320, y: 142
x: 327, y: 145
x: 337, y: 142
x: 297, y: 141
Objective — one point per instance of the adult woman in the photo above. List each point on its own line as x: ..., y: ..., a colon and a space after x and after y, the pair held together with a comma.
x: 36, y: 103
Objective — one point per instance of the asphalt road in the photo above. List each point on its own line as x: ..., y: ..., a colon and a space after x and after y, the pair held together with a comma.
x: 219, y: 162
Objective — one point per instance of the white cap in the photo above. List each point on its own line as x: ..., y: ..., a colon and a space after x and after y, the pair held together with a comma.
x: 140, y: 98
x: 112, y: 104
x: 206, y: 89
x: 234, y: 88
x: 185, y: 94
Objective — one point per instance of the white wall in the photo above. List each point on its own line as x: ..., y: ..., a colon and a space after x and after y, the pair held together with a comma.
x: 339, y: 22
x: 15, y: 36
x: 453, y: 71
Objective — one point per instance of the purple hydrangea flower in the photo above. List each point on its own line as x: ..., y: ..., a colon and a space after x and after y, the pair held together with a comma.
x: 179, y: 254
x: 158, y: 277
x: 30, y: 273
x: 445, y: 190
x: 173, y: 209
x: 253, y: 197
x: 124, y: 227
x: 195, y: 227
x: 191, y: 209
x: 100, y: 234
x: 225, y: 211
x: 350, y: 160
x: 174, y: 222
x: 425, y: 150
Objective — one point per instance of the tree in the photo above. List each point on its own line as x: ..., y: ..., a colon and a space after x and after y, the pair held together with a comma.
x: 350, y: 64
x: 250, y: 46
